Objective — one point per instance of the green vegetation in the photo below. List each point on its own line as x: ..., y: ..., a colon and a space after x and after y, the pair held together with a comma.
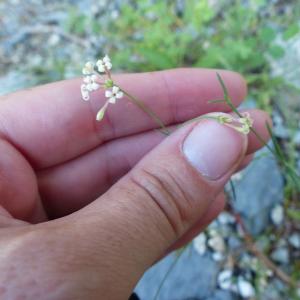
x: 152, y: 36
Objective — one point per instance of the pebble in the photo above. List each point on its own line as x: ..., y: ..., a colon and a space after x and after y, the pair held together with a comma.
x: 277, y: 215
x: 225, y: 279
x: 234, y: 242
x: 216, y: 242
x: 217, y: 256
x: 226, y: 218
x: 281, y: 255
x: 199, y: 244
x: 296, y: 139
x: 294, y: 240
x: 245, y: 288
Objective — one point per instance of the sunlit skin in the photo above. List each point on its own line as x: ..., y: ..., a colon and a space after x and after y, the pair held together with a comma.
x: 94, y: 234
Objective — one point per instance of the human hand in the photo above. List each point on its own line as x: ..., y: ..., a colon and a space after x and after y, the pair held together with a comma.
x: 108, y: 199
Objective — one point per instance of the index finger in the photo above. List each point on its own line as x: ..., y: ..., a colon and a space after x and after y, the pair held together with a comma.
x: 50, y: 124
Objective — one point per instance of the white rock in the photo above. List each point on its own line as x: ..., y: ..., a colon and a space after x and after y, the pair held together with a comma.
x: 226, y: 218
x: 277, y: 214
x: 237, y: 176
x: 245, y: 288
x: 281, y: 255
x: 217, y: 256
x: 225, y: 279
x: 216, y: 242
x: 294, y: 240
x: 199, y: 243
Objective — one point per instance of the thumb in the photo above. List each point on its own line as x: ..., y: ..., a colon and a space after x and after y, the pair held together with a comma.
x: 151, y: 207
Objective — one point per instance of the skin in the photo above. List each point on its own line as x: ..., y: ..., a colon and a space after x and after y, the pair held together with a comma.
x: 76, y: 218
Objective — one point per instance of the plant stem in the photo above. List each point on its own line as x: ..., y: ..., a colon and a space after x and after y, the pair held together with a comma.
x: 169, y: 271
x: 148, y: 111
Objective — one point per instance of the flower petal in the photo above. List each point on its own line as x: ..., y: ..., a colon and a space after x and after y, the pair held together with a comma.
x: 108, y: 93
x: 112, y: 100
x: 108, y: 65
x: 119, y: 95
x: 115, y: 89
x: 95, y: 86
x: 106, y: 59
x: 84, y: 92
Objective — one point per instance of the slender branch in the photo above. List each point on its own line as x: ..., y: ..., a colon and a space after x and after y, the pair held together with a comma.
x: 168, y: 272
x: 250, y: 244
x: 148, y: 111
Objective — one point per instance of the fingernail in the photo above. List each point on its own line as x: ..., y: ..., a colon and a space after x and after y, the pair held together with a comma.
x: 214, y: 149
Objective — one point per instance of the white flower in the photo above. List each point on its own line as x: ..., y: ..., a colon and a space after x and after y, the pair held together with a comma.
x: 88, y: 68
x: 84, y: 93
x: 104, y: 64
x: 89, y: 85
x: 113, y: 94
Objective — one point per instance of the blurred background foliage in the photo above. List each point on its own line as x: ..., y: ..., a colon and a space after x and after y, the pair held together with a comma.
x: 236, y: 35
x: 241, y: 35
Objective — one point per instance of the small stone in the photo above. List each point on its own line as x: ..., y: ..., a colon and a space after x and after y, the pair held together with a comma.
x: 296, y: 139
x: 294, y: 240
x: 234, y: 242
x: 245, y: 288
x: 199, y: 243
x: 226, y: 218
x: 277, y: 214
x: 54, y: 39
x: 281, y: 255
x: 281, y: 131
x: 225, y: 279
x: 217, y: 256
x: 216, y: 242
x: 258, y: 192
x: 212, y: 227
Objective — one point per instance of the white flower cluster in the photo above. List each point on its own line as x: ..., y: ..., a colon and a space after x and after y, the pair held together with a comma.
x: 90, y: 84
x: 92, y: 81
x: 104, y: 64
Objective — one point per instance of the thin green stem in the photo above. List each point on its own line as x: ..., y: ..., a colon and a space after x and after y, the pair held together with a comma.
x: 148, y: 111
x: 168, y: 272
x: 234, y: 109
x: 277, y: 151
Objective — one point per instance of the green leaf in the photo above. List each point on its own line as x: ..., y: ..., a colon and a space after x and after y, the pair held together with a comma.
x: 293, y: 214
x: 267, y: 34
x: 276, y: 51
x: 157, y: 59
x: 291, y: 31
